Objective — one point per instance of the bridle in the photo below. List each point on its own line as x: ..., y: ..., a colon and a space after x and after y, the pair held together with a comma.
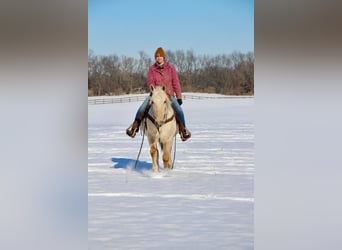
x: 166, y: 120
x: 157, y: 124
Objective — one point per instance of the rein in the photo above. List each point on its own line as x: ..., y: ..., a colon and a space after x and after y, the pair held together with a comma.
x: 142, y: 143
x: 174, y: 154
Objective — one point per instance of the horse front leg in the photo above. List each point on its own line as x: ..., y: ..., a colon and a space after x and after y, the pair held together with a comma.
x: 167, y: 154
x: 154, y: 154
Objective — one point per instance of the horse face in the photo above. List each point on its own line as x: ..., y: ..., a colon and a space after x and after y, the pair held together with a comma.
x: 158, y: 105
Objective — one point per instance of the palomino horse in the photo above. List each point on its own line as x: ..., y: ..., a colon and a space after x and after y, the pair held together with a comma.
x: 161, y: 127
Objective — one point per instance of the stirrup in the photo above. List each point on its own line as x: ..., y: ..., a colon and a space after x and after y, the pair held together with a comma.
x: 130, y: 131
x: 185, y: 134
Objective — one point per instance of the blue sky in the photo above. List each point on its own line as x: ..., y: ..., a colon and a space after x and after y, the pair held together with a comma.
x: 208, y: 27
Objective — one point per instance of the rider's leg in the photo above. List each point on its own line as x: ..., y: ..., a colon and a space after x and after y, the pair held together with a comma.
x: 183, y: 131
x: 134, y: 127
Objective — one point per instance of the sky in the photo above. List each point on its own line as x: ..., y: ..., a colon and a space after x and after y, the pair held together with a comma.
x: 205, y: 202
x: 125, y: 27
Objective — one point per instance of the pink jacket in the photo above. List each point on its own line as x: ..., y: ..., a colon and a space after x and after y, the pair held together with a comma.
x: 167, y: 77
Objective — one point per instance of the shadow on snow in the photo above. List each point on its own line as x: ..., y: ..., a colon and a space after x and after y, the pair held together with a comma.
x: 129, y: 163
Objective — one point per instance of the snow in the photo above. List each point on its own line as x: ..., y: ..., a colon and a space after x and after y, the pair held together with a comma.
x: 205, y: 202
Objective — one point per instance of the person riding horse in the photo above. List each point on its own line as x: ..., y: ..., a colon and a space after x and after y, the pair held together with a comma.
x: 162, y: 73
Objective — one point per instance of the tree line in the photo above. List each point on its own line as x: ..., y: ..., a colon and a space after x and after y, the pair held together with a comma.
x: 231, y: 74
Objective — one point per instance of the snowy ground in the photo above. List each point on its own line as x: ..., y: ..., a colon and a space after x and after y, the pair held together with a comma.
x: 206, y: 202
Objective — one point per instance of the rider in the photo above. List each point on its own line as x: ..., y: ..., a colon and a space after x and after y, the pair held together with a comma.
x: 162, y: 73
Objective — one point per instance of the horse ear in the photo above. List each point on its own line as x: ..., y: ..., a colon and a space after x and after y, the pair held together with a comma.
x: 151, y: 88
x: 164, y: 88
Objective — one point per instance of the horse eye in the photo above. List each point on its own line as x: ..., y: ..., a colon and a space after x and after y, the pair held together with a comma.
x: 165, y: 101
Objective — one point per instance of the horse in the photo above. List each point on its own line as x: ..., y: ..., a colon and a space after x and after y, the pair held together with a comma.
x: 160, y: 126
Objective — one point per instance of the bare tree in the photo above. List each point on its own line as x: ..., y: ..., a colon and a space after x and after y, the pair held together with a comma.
x: 225, y: 74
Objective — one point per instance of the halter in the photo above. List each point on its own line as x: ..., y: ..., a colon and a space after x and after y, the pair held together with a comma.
x: 157, y: 124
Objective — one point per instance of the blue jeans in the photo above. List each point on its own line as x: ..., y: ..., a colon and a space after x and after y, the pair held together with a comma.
x: 176, y: 107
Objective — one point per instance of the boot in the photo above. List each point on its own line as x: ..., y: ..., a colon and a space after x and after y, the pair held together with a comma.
x: 183, y: 131
x: 133, y: 129
x: 184, y: 134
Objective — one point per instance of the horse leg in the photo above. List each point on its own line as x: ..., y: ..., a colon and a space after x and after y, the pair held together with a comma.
x: 154, y: 155
x: 167, y: 154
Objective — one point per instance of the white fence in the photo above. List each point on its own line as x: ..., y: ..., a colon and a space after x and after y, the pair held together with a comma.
x: 139, y: 98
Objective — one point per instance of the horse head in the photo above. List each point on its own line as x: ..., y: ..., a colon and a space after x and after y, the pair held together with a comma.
x: 160, y: 104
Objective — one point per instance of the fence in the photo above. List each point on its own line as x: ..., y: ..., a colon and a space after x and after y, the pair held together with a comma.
x: 139, y: 98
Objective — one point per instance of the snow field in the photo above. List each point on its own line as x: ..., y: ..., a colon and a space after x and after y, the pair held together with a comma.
x: 205, y: 202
